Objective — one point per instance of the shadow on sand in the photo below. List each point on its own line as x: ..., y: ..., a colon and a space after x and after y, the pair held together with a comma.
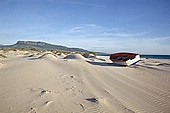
x: 103, y: 64
x: 34, y: 58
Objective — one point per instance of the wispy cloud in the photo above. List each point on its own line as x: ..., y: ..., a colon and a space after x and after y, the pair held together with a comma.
x: 84, y: 4
x: 74, y: 2
x: 124, y: 34
x: 162, y: 38
x: 99, y: 38
x: 96, y: 31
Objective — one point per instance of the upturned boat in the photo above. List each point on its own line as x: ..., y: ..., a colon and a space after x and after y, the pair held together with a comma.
x: 125, y: 59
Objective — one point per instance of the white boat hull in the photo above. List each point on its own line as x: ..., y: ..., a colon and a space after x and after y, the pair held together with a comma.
x: 133, y: 61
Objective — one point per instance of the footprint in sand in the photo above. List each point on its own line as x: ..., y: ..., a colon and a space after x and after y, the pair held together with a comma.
x: 47, y: 103
x: 44, y: 91
x: 33, y: 110
x: 94, y: 100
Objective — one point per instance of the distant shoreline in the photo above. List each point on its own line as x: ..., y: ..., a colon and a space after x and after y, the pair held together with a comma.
x: 156, y: 56
x: 145, y: 56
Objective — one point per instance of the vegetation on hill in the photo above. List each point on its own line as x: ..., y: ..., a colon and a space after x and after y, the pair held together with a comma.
x: 42, y: 46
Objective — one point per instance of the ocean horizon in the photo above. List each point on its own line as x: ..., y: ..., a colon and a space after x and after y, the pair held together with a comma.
x: 156, y: 56
x: 145, y: 56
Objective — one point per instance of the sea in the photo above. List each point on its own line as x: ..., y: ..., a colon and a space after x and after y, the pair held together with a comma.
x: 156, y: 56
x: 145, y: 56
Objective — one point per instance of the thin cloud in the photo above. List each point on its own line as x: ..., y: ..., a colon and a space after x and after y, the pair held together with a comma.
x: 93, y: 37
x: 85, y: 4
x: 89, y: 28
x: 78, y: 3
x: 123, y: 34
x: 93, y: 30
x: 162, y: 38
x: 76, y: 29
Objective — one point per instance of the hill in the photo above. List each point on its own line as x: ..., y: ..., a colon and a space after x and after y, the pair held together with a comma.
x: 42, y: 46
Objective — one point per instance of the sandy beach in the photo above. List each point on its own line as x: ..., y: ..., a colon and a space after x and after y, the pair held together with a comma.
x: 33, y: 82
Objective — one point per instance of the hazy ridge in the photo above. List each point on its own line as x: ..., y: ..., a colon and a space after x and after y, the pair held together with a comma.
x: 42, y: 46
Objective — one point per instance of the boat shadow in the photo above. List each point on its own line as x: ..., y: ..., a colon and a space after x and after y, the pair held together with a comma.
x: 104, y: 64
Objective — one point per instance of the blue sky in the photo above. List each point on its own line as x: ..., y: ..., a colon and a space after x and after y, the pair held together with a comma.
x: 141, y: 26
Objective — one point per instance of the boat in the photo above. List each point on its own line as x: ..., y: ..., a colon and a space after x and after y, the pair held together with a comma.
x: 125, y: 59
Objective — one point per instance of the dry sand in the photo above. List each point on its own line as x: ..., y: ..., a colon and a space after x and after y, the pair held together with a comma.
x: 47, y: 83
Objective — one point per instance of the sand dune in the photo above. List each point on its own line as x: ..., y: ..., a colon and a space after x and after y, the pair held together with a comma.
x: 2, y: 56
x: 1, y: 64
x: 47, y: 55
x: 75, y: 56
x: 61, y: 55
x: 74, y: 86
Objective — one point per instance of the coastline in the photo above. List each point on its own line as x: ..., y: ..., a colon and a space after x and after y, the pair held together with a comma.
x: 145, y: 56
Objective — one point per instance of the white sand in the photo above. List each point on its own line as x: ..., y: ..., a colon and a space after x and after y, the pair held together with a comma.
x: 75, y: 57
x: 48, y: 55
x: 49, y: 84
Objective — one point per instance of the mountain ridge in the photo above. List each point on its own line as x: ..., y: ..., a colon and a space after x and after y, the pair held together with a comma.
x: 42, y: 46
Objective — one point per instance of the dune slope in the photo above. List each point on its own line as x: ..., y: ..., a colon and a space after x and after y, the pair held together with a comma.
x: 75, y: 86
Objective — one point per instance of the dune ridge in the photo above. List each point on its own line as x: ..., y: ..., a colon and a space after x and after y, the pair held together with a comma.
x: 49, y: 84
x: 49, y: 55
x: 75, y: 57
x: 2, y: 56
